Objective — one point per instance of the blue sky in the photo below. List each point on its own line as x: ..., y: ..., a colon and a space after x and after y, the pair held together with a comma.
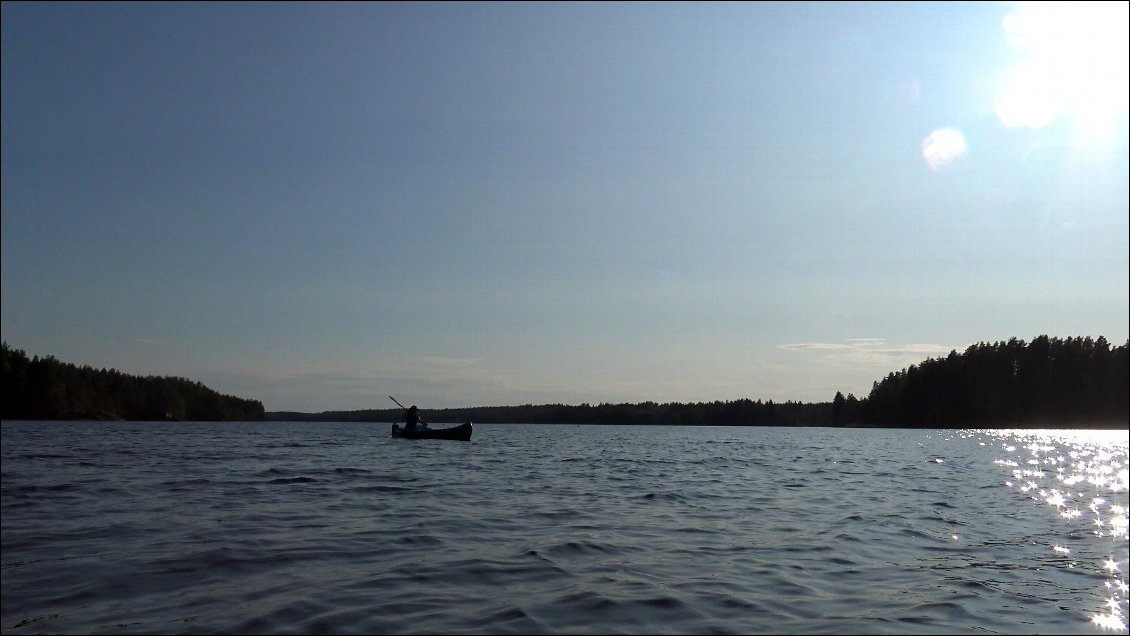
x: 319, y: 205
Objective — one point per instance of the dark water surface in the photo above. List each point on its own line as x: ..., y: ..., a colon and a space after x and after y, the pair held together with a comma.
x: 338, y: 528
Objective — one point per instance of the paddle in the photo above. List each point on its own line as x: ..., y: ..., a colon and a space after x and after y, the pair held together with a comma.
x: 405, y: 408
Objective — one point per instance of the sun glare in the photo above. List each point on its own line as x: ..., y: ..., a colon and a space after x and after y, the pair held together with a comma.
x: 1098, y: 460
x: 943, y: 147
x: 1075, y: 66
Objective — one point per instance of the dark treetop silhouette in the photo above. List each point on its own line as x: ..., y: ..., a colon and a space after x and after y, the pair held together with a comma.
x: 1051, y: 382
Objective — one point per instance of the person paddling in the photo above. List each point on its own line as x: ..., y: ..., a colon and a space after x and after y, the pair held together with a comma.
x: 413, y: 420
x: 411, y: 417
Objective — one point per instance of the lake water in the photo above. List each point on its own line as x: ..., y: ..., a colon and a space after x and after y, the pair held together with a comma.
x: 339, y: 528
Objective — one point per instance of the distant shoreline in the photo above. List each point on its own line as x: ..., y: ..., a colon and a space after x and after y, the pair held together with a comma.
x: 1085, y: 426
x: 1072, y: 383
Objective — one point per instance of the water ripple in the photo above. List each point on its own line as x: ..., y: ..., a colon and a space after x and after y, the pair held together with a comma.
x: 337, y: 528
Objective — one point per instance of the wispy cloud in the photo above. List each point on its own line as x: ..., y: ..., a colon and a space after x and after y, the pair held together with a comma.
x: 317, y: 386
x: 445, y: 361
x: 868, y: 353
x: 819, y: 346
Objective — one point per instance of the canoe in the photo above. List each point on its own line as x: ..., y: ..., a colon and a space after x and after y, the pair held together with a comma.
x: 461, y: 432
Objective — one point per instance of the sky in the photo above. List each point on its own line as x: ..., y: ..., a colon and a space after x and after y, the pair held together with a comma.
x: 319, y: 205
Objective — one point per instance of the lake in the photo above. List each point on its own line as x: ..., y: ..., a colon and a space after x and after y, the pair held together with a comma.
x: 126, y: 527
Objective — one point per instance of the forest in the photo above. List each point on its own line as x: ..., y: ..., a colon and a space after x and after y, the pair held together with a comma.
x: 47, y: 389
x: 742, y: 412
x: 1079, y: 382
x: 1050, y: 382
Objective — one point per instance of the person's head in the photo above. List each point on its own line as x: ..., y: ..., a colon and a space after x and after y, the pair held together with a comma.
x: 412, y: 408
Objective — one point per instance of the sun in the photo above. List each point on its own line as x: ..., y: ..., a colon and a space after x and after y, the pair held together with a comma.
x: 1074, y: 65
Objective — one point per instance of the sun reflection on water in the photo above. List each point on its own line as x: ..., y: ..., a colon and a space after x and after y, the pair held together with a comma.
x: 1085, y: 477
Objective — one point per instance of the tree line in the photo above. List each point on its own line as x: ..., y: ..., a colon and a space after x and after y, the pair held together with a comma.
x: 742, y: 412
x: 1050, y: 382
x: 47, y: 389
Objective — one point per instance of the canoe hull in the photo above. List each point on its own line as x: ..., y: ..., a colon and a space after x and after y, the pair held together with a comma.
x: 461, y: 432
